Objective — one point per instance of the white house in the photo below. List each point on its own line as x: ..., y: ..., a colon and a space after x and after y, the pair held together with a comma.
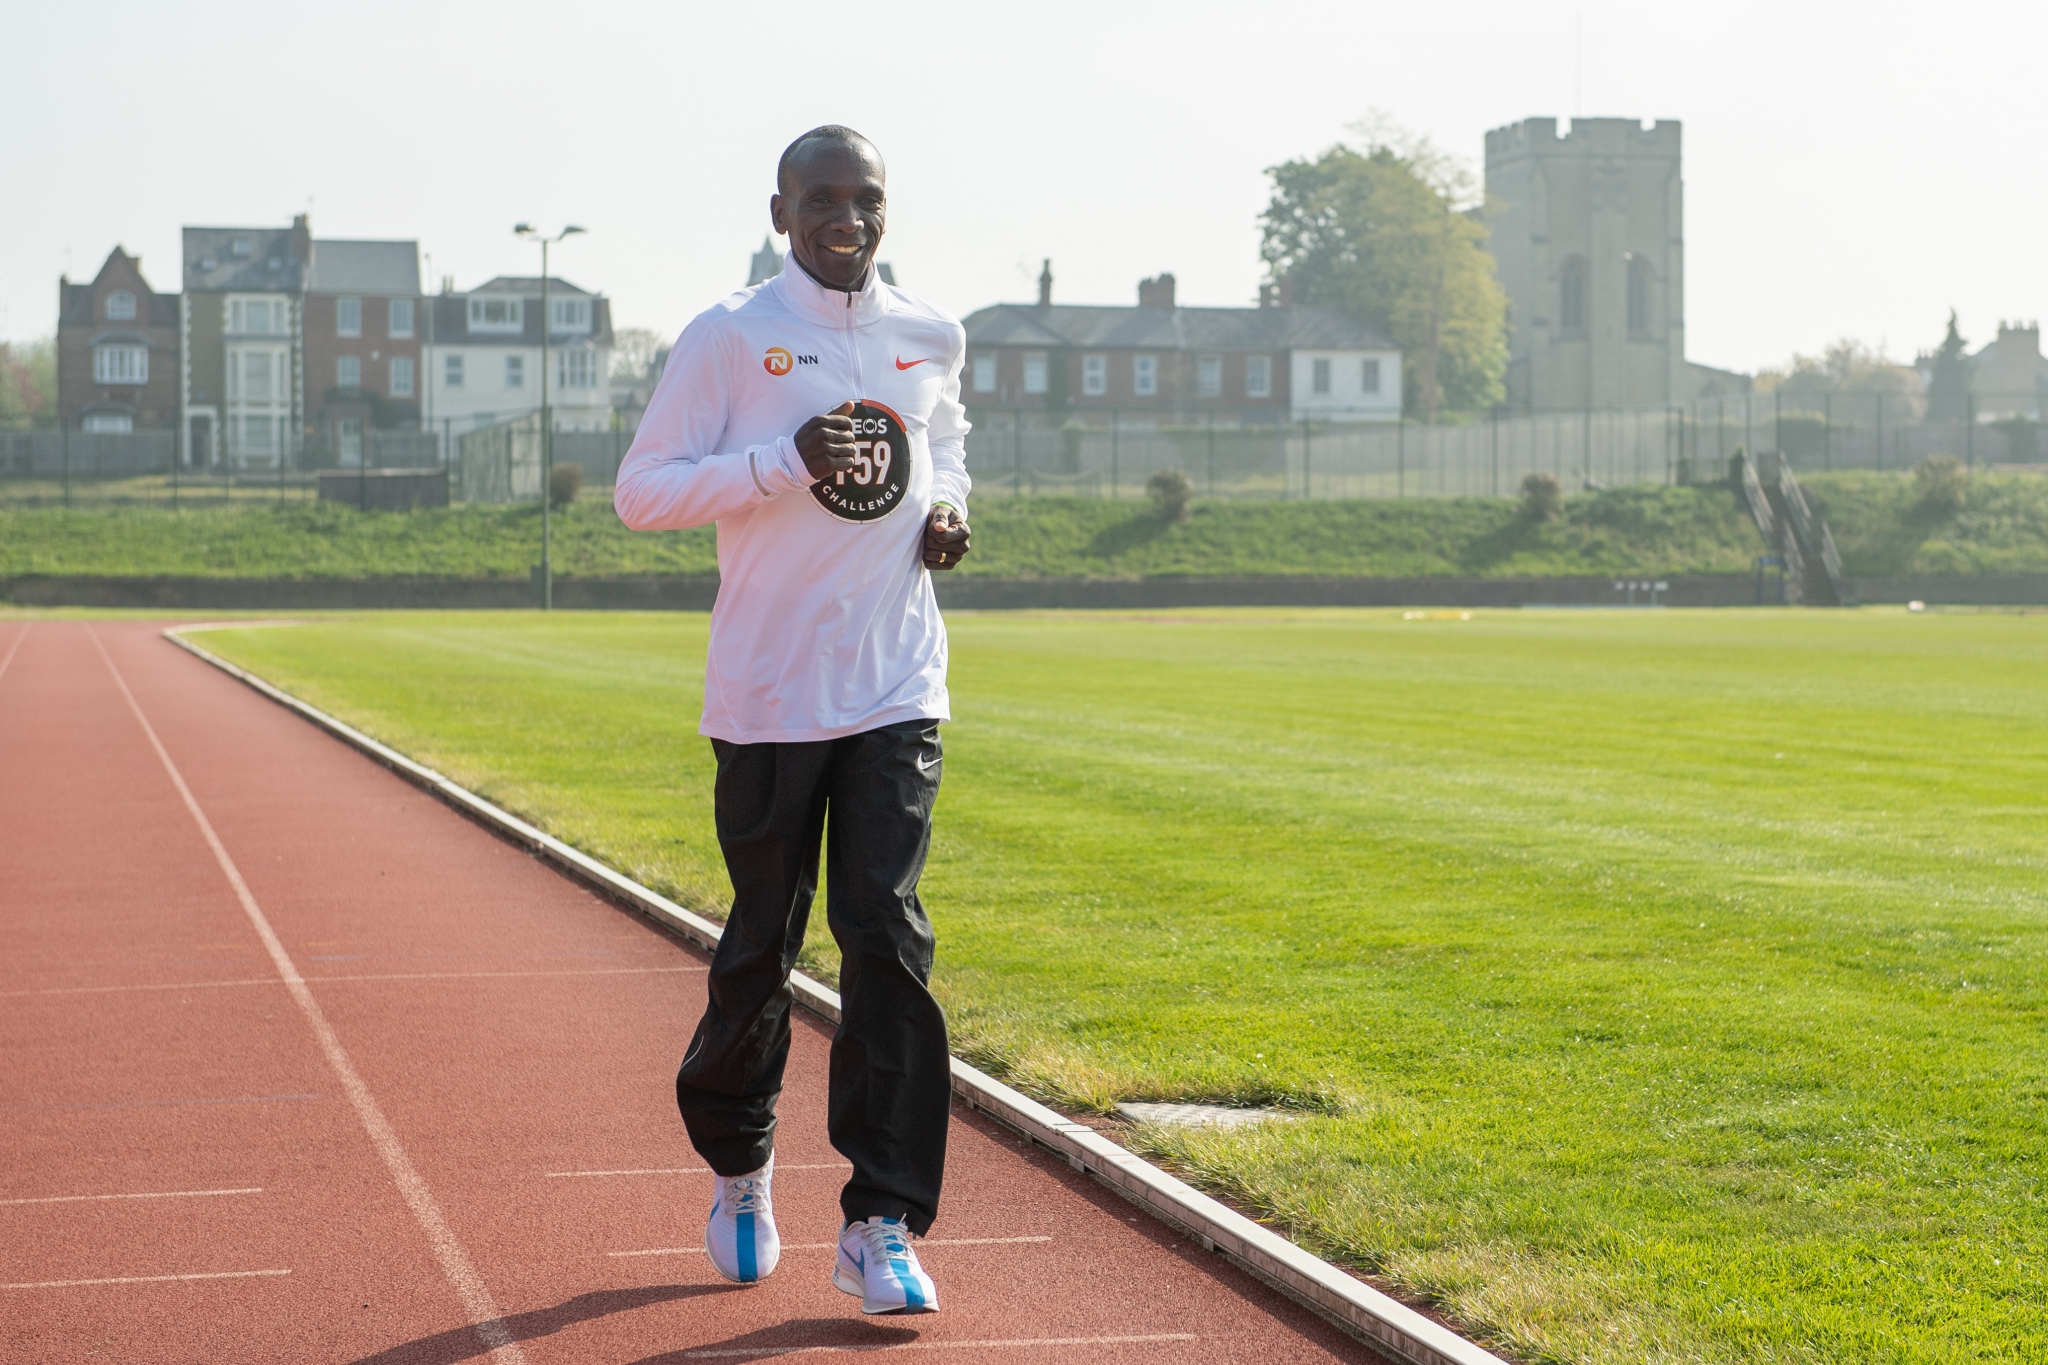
x: 482, y: 356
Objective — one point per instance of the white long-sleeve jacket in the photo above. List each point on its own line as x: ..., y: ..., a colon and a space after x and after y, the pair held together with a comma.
x: 825, y: 623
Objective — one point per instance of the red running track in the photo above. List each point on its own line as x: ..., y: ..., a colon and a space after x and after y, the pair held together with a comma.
x: 300, y: 1065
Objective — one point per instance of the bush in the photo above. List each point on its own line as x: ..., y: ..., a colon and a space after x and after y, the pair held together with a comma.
x: 565, y: 481
x: 1170, y: 490
x: 1541, y: 497
x: 1941, y: 484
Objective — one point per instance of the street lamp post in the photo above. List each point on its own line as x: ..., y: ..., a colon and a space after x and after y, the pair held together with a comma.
x: 547, y: 428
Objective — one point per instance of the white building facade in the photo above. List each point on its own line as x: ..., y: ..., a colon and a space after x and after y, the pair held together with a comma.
x: 482, y: 356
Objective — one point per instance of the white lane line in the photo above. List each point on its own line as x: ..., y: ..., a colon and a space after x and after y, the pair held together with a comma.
x: 166, y: 1194
x: 323, y: 980
x: 20, y: 635
x: 462, y: 1275
x: 830, y: 1246
x: 148, y: 1279
x: 996, y: 1344
x: 694, y: 1170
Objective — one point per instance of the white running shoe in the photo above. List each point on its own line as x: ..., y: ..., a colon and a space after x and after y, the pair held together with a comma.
x: 877, y: 1266
x: 740, y: 1236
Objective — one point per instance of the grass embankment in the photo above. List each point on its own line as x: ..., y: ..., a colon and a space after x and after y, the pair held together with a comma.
x: 1661, y: 986
x: 1678, y: 530
x: 1882, y: 528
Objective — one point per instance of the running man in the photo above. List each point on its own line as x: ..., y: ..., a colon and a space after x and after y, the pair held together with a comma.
x: 816, y: 418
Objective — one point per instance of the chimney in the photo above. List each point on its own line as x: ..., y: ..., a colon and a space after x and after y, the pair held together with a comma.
x: 302, y: 238
x: 1287, y: 291
x: 1265, y: 296
x: 1156, y: 293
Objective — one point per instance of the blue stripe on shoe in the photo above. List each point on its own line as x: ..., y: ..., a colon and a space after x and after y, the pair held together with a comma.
x: 901, y: 1270
x: 743, y: 1231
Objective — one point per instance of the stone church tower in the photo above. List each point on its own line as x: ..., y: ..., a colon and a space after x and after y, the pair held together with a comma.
x: 1588, y: 231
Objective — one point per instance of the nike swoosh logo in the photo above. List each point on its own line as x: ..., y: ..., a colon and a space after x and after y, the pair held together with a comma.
x: 903, y: 364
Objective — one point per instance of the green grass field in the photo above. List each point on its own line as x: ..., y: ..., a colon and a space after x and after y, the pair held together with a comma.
x: 2002, y: 528
x: 1655, y: 986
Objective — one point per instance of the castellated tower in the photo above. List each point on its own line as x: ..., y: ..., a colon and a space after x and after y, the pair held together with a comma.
x: 1588, y: 230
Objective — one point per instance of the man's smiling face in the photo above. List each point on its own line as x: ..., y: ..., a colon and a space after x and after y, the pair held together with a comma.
x: 832, y: 204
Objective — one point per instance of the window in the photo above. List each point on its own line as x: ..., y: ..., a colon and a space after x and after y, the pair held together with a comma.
x: 348, y: 372
x: 1145, y: 375
x: 251, y: 376
x: 348, y: 317
x: 576, y: 369
x: 401, y: 376
x: 984, y: 374
x: 1638, y: 295
x: 401, y: 318
x: 497, y: 315
x: 515, y: 371
x: 1369, y: 375
x: 259, y: 435
x: 109, y: 423
x: 1571, y: 296
x: 120, y: 364
x: 241, y: 247
x: 571, y: 315
x: 1209, y: 375
x: 1034, y: 372
x: 1095, y: 375
x: 451, y: 371
x: 1319, y: 376
x: 1258, y: 376
x: 256, y: 316
x: 120, y: 306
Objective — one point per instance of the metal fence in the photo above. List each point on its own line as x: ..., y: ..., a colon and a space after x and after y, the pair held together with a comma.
x: 502, y: 463
x: 64, y: 468
x: 1321, y: 455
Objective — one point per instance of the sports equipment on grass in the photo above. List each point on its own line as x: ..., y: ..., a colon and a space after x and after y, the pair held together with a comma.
x: 877, y: 1265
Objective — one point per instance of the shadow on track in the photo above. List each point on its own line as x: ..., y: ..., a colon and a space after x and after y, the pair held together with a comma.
x: 839, y: 1334
x: 464, y: 1343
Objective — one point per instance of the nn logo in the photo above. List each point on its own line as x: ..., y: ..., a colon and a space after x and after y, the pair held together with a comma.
x: 778, y: 361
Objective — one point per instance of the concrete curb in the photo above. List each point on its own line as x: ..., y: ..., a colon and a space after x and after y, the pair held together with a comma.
x: 1383, y: 1322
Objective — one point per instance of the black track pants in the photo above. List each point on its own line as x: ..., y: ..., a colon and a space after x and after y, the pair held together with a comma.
x: 870, y: 795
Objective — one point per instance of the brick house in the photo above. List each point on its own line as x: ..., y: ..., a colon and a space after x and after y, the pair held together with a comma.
x: 363, y: 320
x: 1166, y: 364
x: 117, y: 351
x: 242, y: 397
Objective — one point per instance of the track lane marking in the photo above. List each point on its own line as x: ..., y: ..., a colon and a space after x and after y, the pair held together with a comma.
x: 166, y: 1194
x: 147, y: 1279
x: 831, y: 1246
x: 19, y: 636
x: 995, y: 1344
x: 323, y: 980
x: 461, y: 1273
x: 695, y: 1170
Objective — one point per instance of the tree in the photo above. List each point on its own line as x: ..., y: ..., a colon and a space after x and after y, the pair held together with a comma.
x: 1386, y: 233
x: 28, y: 383
x: 633, y: 351
x: 1948, y: 386
x: 1847, y: 366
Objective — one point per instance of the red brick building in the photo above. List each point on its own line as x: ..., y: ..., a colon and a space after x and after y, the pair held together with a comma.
x: 117, y: 351
x: 364, y: 319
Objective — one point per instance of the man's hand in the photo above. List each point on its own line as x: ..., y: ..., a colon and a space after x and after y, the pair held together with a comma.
x: 826, y: 442
x: 945, y: 538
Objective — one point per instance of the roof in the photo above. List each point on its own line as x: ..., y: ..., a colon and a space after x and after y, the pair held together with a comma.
x: 1171, y: 329
x: 342, y: 267
x: 265, y: 264
x: 528, y: 286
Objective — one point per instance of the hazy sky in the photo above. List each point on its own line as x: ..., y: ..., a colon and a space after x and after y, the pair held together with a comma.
x: 1850, y: 170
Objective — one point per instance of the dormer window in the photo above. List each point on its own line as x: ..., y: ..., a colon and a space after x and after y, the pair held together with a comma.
x: 120, y: 306
x: 571, y: 315
x: 241, y: 246
x: 497, y: 314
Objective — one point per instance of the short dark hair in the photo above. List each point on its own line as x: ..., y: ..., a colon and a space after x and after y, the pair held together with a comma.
x: 828, y: 132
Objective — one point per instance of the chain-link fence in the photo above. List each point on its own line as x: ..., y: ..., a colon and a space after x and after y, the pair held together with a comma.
x: 1324, y: 455
x: 502, y: 463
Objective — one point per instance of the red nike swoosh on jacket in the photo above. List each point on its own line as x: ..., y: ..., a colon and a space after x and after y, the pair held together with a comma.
x: 903, y: 364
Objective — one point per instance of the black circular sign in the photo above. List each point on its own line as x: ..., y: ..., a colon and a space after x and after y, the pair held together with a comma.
x: 873, y: 488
